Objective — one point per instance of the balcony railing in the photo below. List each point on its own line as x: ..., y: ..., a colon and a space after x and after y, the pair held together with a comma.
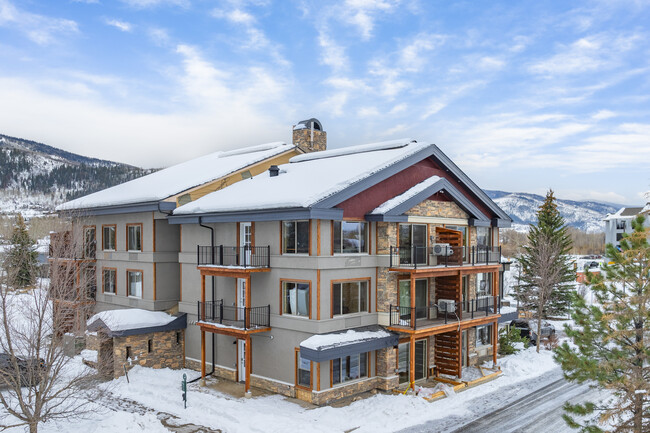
x: 444, y: 256
x: 443, y: 312
x: 62, y: 246
x: 230, y: 315
x: 245, y: 257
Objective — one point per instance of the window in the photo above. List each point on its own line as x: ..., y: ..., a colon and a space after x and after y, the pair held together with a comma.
x: 108, y: 238
x: 295, y: 237
x: 134, y: 237
x: 483, y: 237
x: 349, y: 368
x: 134, y: 283
x: 483, y: 286
x: 89, y: 242
x: 178, y: 338
x: 412, y: 243
x: 149, y: 346
x: 349, y: 297
x: 303, y: 373
x: 90, y: 281
x: 295, y: 298
x: 350, y: 237
x: 484, y: 335
x: 128, y: 352
x: 109, y: 280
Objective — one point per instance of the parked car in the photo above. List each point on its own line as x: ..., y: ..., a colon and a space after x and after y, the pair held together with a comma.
x: 29, y: 369
x: 589, y: 265
x: 527, y: 329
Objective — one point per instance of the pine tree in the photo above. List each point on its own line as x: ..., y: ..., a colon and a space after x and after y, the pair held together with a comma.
x: 611, y: 339
x: 551, y: 227
x: 21, y: 262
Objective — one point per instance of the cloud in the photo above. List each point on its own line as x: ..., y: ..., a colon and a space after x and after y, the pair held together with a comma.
x: 412, y: 55
x: 603, y: 114
x: 159, y: 36
x: 333, y: 55
x: 120, y: 25
x: 145, y: 4
x: 363, y: 13
x: 41, y: 29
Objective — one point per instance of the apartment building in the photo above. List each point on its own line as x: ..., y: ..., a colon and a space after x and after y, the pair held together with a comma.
x: 326, y: 274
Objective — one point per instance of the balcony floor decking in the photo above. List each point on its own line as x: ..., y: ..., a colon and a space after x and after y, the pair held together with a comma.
x: 426, y: 327
x: 443, y: 270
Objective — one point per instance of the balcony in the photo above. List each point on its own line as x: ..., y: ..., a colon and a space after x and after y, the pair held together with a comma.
x: 233, y: 257
x: 442, y: 256
x: 443, y: 313
x: 230, y: 316
x: 63, y: 246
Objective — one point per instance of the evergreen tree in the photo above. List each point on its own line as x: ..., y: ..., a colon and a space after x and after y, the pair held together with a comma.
x: 611, y: 339
x: 552, y: 228
x: 21, y: 262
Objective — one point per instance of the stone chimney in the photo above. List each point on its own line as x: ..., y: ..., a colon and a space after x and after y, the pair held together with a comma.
x: 309, y: 136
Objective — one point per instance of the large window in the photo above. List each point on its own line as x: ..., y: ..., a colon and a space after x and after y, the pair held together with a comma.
x: 483, y: 237
x: 89, y: 242
x: 349, y: 368
x: 295, y: 298
x: 349, y: 297
x: 134, y: 283
x: 484, y: 335
x: 412, y: 243
x: 134, y: 237
x: 483, y: 285
x: 295, y: 237
x: 108, y: 238
x: 303, y: 373
x: 350, y: 237
x: 109, y: 280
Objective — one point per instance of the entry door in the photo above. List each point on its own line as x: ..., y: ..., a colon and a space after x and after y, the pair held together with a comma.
x: 404, y: 360
x: 241, y: 361
x: 421, y: 297
x: 464, y: 349
x: 241, y: 297
x: 245, y: 242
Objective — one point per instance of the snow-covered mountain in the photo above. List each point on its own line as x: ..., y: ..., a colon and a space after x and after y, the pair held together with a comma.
x: 522, y: 208
x: 35, y: 177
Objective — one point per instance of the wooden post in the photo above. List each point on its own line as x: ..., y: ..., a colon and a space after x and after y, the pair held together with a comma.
x: 413, y: 315
x: 202, y: 354
x: 247, y: 302
x: 202, y: 296
x: 412, y: 360
x: 459, y: 352
x: 495, y: 333
x: 248, y: 362
x: 460, y: 296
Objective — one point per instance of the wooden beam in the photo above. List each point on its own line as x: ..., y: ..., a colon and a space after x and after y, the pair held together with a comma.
x: 317, y: 294
x: 318, y: 237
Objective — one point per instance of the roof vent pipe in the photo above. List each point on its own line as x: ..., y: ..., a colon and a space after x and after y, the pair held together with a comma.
x: 274, y: 170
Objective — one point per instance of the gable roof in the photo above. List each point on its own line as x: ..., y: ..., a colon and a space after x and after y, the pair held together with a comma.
x: 308, y: 180
x: 311, y: 185
x: 135, y: 321
x: 176, y: 179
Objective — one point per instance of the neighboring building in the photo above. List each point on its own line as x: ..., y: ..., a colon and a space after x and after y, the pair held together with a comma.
x: 620, y: 222
x: 328, y: 274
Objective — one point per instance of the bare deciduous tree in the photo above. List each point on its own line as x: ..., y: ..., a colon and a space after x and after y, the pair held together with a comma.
x: 40, y: 382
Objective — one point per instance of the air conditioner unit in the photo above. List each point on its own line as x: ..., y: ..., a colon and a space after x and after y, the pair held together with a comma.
x: 446, y: 305
x: 442, y: 250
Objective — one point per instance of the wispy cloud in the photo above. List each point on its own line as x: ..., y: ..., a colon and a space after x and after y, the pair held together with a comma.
x: 120, y: 25
x: 363, y: 13
x: 145, y: 4
x: 41, y: 29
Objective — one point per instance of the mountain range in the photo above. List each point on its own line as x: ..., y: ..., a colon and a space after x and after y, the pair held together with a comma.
x: 35, y: 177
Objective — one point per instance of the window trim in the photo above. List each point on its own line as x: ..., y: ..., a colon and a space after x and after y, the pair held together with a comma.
x: 311, y: 372
x: 358, y: 379
x: 350, y: 280
x: 114, y: 237
x: 106, y: 268
x: 290, y: 280
x: 367, y: 236
x: 89, y: 227
x: 282, y: 243
x: 127, y: 284
x: 141, y: 237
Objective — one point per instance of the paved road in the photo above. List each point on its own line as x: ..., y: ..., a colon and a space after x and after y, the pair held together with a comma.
x: 537, y: 407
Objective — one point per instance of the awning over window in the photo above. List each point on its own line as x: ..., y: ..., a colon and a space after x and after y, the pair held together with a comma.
x: 324, y: 347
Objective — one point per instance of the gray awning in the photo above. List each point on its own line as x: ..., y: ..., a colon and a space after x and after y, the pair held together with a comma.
x: 333, y: 345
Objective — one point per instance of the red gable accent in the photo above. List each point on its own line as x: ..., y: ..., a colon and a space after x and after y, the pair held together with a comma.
x: 364, y: 202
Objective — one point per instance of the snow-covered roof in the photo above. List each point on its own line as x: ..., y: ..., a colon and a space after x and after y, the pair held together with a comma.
x: 397, y: 200
x: 306, y: 179
x: 338, y: 344
x: 120, y: 322
x: 624, y: 213
x: 326, y: 341
x: 178, y: 178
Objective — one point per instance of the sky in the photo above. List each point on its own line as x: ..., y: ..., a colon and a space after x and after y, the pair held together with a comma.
x: 523, y: 96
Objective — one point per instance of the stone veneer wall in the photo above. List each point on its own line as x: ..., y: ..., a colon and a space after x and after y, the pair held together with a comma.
x: 165, y: 351
x: 302, y: 139
x: 442, y: 209
x: 386, y: 236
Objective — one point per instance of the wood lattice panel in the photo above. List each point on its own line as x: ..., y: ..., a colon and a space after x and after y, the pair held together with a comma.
x: 447, y: 353
x: 455, y: 239
x: 448, y: 288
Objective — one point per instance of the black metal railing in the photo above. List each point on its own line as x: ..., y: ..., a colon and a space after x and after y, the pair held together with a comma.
x: 221, y: 255
x: 443, y: 312
x: 440, y: 255
x: 230, y: 315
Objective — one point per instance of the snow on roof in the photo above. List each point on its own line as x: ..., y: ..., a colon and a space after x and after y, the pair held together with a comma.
x: 305, y: 181
x: 326, y: 341
x: 413, y: 191
x: 624, y: 213
x: 131, y: 318
x: 178, y: 178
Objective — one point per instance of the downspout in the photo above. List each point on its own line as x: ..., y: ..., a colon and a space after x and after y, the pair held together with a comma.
x: 214, y: 294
